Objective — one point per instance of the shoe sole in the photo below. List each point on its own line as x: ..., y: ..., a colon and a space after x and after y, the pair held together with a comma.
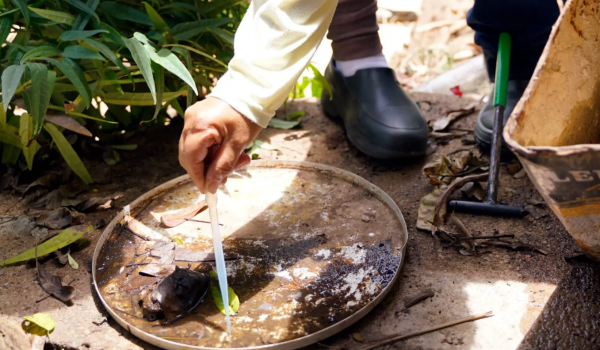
x: 483, y: 139
x: 361, y: 141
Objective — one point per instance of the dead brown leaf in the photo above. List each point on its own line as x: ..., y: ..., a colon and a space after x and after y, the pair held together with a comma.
x: 443, y: 122
x: 68, y: 123
x: 69, y: 106
x: 89, y: 204
x: 52, y: 284
x: 56, y: 219
x: 474, y: 191
x: 52, y: 200
x: 179, y: 217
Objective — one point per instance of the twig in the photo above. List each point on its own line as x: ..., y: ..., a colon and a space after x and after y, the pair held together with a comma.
x: 138, y: 264
x: 429, y: 330
x: 484, y: 237
x: 127, y: 229
x: 202, y: 221
x: 461, y: 227
x: 463, y: 173
x: 458, y: 183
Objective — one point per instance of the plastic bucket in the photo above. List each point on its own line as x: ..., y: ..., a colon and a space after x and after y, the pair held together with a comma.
x: 555, y: 127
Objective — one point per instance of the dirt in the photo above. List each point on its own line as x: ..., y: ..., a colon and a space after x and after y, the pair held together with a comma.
x: 515, y: 285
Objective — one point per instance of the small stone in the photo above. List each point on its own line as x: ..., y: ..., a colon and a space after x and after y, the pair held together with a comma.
x: 531, y: 219
x: 365, y: 218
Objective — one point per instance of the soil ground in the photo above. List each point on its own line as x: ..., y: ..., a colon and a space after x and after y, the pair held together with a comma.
x: 514, y: 285
x: 539, y: 301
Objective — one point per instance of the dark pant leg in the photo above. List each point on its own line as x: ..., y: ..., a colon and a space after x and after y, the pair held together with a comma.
x: 529, y: 23
x: 353, y: 30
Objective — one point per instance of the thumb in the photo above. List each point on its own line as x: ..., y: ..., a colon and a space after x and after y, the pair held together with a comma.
x: 223, y: 163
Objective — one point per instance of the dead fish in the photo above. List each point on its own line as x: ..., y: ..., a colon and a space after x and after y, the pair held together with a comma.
x: 175, y: 296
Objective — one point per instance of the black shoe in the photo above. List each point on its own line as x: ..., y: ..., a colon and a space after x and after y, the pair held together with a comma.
x: 380, y: 119
x: 484, y: 128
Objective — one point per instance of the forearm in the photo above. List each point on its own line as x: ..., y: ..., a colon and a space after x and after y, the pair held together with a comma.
x: 273, y: 45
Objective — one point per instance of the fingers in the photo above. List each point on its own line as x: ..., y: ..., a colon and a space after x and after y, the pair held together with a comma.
x: 193, y: 150
x: 223, y: 164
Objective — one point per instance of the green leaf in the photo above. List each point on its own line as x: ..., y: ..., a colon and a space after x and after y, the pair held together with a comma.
x: 107, y: 52
x: 9, y: 136
x: 68, y: 153
x: 74, y: 73
x: 125, y: 147
x: 39, y: 324
x: 25, y: 132
x: 254, y: 147
x: 63, y: 239
x: 80, y: 52
x: 284, y: 124
x: 83, y: 18
x: 198, y: 52
x: 159, y: 75
x: 138, y: 99
x: 83, y: 7
x: 188, y: 30
x: 81, y: 115
x: 125, y: 13
x: 10, y: 81
x: 177, y: 241
x: 5, y: 26
x: 159, y: 23
x: 25, y: 129
x: 142, y: 59
x: 112, y: 34
x: 22, y: 5
x: 10, y: 154
x: 72, y: 261
x: 175, y: 104
x: 56, y: 16
x: 39, y: 52
x: 38, y: 94
x: 171, y: 63
x: 218, y: 5
x: 2, y: 118
x: 223, y: 35
x: 234, y: 301
x: 320, y: 78
x: 72, y: 35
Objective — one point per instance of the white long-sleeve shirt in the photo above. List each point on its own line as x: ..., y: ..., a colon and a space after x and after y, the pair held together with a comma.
x: 273, y: 44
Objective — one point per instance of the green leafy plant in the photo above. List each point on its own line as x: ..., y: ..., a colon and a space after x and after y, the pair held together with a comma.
x: 95, y: 68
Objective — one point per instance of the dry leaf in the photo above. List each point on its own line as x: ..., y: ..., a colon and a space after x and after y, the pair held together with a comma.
x: 50, y: 201
x: 52, y: 284
x: 443, y: 122
x: 56, y: 219
x: 94, y: 203
x: 179, y: 217
x: 474, y: 191
x: 514, y: 166
x: 69, y: 106
x: 68, y: 123
x: 50, y: 180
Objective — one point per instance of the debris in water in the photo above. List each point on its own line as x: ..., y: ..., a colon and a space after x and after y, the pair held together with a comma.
x: 175, y: 296
x: 181, y: 216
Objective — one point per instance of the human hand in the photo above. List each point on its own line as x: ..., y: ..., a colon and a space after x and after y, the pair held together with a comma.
x: 212, y: 142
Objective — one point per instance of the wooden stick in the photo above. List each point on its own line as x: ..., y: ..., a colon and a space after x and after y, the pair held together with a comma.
x: 429, y: 330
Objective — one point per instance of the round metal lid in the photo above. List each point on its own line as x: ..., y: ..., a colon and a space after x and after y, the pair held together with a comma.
x: 313, y: 248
